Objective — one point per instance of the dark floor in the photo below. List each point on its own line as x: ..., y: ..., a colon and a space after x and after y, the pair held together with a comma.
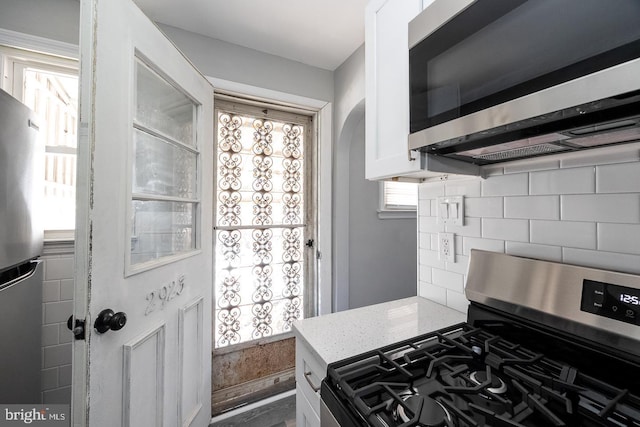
x: 281, y: 413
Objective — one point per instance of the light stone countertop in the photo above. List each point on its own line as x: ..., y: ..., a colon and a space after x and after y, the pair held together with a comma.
x: 336, y: 336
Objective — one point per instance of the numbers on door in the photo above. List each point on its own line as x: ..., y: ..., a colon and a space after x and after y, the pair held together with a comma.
x: 161, y: 296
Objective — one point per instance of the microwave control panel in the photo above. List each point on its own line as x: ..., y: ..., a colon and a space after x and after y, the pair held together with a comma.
x: 615, y: 302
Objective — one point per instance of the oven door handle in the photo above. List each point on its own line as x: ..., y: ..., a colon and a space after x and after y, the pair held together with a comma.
x: 307, y: 376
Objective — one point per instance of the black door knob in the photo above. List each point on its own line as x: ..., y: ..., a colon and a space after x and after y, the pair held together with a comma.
x: 108, y: 320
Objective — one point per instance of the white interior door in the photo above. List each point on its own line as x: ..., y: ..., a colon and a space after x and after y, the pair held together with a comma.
x: 144, y: 223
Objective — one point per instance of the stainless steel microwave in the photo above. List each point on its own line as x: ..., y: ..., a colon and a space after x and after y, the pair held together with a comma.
x: 498, y: 80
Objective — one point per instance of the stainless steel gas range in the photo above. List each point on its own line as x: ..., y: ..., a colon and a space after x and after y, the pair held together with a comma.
x: 544, y: 344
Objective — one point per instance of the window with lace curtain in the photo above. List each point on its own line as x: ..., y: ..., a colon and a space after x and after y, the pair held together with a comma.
x: 264, y: 222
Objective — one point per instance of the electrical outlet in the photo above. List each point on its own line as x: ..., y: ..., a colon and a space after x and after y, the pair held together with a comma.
x: 446, y: 247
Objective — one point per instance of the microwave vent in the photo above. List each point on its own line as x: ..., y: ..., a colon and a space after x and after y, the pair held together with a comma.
x: 516, y: 153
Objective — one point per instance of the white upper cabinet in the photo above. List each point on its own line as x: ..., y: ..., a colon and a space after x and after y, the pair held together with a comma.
x: 387, y: 88
x: 387, y: 96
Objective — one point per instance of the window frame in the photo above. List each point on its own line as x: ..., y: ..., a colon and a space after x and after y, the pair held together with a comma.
x: 15, y: 58
x: 395, y: 211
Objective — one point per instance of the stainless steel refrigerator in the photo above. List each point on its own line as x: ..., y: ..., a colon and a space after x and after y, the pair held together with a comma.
x: 21, y: 234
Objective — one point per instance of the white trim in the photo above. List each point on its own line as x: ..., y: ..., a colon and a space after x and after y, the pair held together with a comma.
x: 38, y: 44
x: 396, y: 214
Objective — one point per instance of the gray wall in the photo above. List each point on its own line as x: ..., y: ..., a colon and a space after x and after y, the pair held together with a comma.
x: 52, y: 19
x: 382, y: 253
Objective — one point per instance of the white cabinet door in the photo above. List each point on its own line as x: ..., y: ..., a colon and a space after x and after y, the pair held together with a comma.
x: 144, y: 224
x: 387, y: 88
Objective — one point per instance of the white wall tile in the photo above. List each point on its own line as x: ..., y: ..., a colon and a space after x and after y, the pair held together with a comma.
x: 57, y: 311
x: 49, y: 335
x: 57, y: 355
x: 601, y: 156
x: 424, y: 207
x: 532, y: 207
x: 505, y: 229
x: 430, y: 259
x: 470, y: 228
x: 506, y: 185
x: 529, y: 250
x: 49, y: 379
x: 623, y: 238
x: 459, y: 244
x: 58, y: 268
x: 448, y: 279
x: 465, y: 187
x: 621, y: 178
x: 599, y: 259
x: 484, y: 207
x: 60, y: 395
x: 483, y: 244
x: 624, y: 208
x: 430, y: 190
x: 66, y: 290
x: 424, y: 272
x: 50, y: 290
x: 460, y: 266
x: 65, y: 334
x: 429, y: 224
x: 563, y: 181
x: 64, y: 375
x: 564, y: 233
x: 433, y: 292
x: 424, y: 240
x: 531, y: 166
x: 457, y: 301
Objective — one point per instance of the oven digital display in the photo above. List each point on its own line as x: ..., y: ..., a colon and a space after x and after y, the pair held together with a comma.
x: 613, y: 301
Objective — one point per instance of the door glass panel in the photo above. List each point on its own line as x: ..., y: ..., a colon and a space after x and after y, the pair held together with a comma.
x: 161, y: 107
x: 163, y: 168
x: 160, y: 229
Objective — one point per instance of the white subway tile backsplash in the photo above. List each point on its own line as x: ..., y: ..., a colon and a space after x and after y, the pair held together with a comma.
x: 599, y: 259
x: 424, y: 272
x: 483, y: 244
x: 49, y: 335
x: 484, y: 207
x: 621, y: 178
x: 564, y: 233
x: 65, y: 334
x: 55, y: 312
x: 532, y: 166
x: 66, y: 290
x: 623, y: 238
x: 530, y: 250
x: 49, y: 379
x: 457, y: 301
x: 58, y: 268
x: 429, y: 224
x: 433, y: 292
x: 460, y: 266
x: 430, y: 259
x: 532, y: 207
x: 50, y: 290
x: 57, y: 355
x: 424, y: 240
x: 424, y: 207
x: 563, y: 181
x: 459, y: 244
x: 58, y: 396
x: 470, y: 228
x: 602, y: 156
x: 448, y: 279
x: 64, y: 375
x: 503, y: 229
x: 430, y: 190
x: 506, y: 185
x: 624, y: 208
x: 465, y: 187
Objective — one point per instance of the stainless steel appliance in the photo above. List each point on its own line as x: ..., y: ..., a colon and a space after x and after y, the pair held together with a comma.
x: 497, y: 80
x: 545, y: 344
x: 21, y: 160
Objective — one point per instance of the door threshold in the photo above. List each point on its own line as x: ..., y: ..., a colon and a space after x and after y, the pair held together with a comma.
x: 250, y: 406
